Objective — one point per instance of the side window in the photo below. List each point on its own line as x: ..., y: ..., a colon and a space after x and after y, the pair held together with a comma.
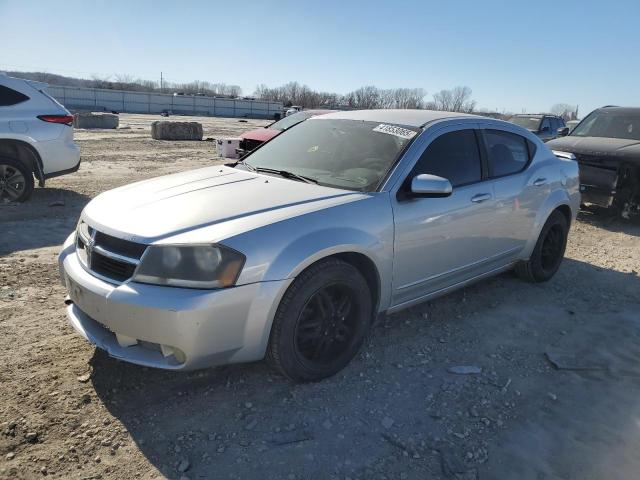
x: 454, y: 156
x: 561, y: 123
x: 10, y: 97
x: 545, y: 124
x: 507, y: 152
x: 554, y: 124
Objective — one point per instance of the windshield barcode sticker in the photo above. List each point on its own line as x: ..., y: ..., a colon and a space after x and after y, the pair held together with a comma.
x: 393, y: 130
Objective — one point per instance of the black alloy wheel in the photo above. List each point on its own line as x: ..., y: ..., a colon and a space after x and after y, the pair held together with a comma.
x: 326, y: 324
x: 321, y: 321
x: 548, y: 252
x: 552, y: 248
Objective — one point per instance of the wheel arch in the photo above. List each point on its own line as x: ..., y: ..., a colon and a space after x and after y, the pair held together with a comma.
x: 566, y: 211
x: 25, y: 153
x: 365, y: 265
x: 557, y: 201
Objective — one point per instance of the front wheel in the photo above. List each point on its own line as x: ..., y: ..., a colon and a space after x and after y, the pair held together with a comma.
x: 548, y: 252
x: 321, y: 322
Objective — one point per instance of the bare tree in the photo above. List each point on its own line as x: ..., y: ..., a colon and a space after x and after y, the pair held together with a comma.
x: 566, y: 111
x: 456, y: 100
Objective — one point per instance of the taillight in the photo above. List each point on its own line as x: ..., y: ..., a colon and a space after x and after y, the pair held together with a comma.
x: 66, y: 119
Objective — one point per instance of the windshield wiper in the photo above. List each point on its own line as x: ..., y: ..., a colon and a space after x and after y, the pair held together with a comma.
x: 285, y: 174
x: 245, y: 164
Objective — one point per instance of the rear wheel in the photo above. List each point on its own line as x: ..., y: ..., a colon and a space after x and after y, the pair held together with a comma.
x: 321, y: 322
x: 548, y: 252
x: 16, y: 181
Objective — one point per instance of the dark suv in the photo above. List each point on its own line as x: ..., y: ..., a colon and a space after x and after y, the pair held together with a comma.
x: 545, y: 126
x: 607, y: 146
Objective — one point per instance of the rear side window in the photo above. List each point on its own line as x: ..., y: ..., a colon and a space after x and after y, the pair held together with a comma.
x: 454, y: 156
x: 507, y: 152
x: 9, y: 97
x: 545, y: 126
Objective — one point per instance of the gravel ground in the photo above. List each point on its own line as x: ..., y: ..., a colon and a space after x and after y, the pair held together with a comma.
x: 500, y: 380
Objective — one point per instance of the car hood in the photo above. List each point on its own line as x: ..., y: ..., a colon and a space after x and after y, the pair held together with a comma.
x: 261, y: 134
x: 599, y: 146
x: 205, y: 205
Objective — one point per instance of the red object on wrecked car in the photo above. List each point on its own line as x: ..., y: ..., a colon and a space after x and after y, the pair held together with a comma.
x: 254, y: 138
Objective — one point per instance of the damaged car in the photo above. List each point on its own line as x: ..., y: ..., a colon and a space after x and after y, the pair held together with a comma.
x: 344, y: 218
x: 606, y: 145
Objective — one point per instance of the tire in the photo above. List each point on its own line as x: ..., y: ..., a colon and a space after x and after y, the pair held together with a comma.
x: 321, y: 322
x: 16, y: 180
x: 548, y: 252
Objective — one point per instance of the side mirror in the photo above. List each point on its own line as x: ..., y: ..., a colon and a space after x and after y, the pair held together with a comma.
x: 545, y: 129
x: 427, y: 185
x: 563, y: 132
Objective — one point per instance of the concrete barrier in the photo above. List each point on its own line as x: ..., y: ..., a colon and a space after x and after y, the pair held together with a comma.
x: 176, y: 130
x: 96, y: 120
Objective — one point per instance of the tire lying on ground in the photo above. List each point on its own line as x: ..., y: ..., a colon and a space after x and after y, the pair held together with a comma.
x: 96, y: 120
x: 176, y: 130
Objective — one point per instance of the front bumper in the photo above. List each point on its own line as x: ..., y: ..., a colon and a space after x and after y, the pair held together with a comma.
x: 168, y: 327
x: 598, y: 185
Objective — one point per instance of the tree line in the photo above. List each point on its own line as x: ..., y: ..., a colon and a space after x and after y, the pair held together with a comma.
x: 457, y: 99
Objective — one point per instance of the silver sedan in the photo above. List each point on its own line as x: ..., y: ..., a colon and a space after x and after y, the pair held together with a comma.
x: 292, y: 252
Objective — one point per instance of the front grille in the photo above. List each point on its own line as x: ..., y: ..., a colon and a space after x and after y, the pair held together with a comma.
x: 112, y: 258
x: 597, y: 160
x: 119, y: 246
x: 111, y: 268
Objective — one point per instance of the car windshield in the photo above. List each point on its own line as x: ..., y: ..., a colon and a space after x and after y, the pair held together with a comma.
x: 290, y: 121
x: 348, y: 154
x: 530, y: 123
x: 609, y: 124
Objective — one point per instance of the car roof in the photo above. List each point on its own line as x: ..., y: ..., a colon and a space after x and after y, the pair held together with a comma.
x: 623, y: 110
x: 318, y: 111
x: 536, y: 115
x: 408, y: 117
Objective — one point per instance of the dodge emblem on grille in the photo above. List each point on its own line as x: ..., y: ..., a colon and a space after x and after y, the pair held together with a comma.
x: 91, y: 242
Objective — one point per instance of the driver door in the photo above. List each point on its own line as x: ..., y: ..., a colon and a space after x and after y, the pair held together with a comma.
x: 443, y: 241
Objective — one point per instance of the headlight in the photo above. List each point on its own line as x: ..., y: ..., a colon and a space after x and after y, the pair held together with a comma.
x: 191, y: 266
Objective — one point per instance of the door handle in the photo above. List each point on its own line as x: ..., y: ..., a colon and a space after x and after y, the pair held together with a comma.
x: 481, y: 197
x: 538, y: 182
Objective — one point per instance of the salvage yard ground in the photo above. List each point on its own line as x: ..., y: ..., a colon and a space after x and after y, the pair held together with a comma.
x: 557, y: 397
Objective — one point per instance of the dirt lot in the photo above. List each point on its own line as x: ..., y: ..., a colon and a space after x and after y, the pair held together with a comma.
x: 69, y: 411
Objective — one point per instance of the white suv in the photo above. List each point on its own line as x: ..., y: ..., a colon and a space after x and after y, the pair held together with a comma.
x: 36, y: 138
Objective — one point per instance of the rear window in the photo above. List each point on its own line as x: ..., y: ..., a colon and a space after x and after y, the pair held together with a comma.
x: 9, y: 97
x: 508, y: 153
x: 530, y: 123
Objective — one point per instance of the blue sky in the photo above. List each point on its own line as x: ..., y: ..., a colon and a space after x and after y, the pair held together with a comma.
x: 514, y: 55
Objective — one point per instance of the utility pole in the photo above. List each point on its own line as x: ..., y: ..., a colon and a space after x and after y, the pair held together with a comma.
x: 161, y: 89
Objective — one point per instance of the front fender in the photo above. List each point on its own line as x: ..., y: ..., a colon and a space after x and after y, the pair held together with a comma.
x: 281, y: 251
x: 308, y: 249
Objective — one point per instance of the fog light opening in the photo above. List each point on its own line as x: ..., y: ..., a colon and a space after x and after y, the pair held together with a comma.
x: 178, y: 354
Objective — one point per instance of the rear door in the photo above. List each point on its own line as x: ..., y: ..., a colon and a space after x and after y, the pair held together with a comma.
x: 442, y: 241
x: 518, y: 195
